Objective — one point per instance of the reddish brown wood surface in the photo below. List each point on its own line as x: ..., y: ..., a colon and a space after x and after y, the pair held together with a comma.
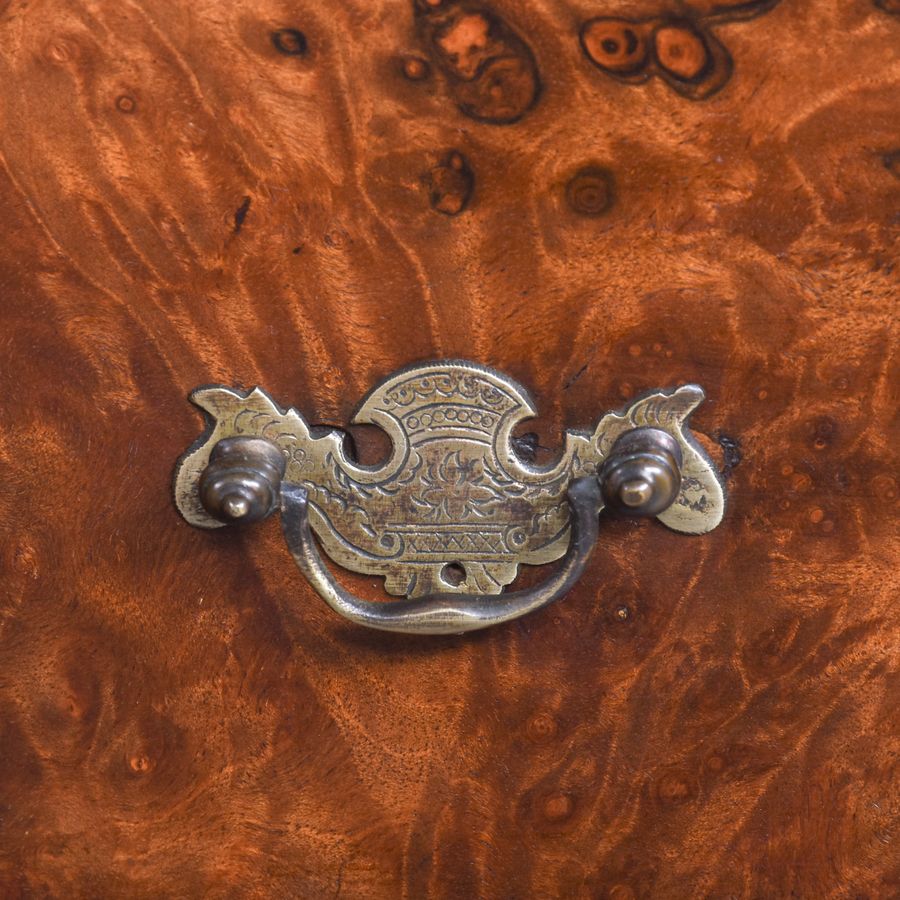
x: 307, y: 196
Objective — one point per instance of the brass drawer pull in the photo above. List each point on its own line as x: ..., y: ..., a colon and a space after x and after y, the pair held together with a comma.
x: 454, y: 511
x: 442, y: 613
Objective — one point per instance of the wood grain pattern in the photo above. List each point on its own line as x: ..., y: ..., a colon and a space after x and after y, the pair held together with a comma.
x: 298, y: 195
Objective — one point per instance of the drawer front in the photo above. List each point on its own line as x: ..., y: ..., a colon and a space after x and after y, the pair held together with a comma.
x: 598, y: 201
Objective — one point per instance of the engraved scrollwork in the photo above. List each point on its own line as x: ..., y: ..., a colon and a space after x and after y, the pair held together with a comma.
x: 453, y: 490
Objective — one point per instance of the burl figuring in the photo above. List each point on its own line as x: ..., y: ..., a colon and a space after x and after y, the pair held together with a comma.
x: 599, y: 198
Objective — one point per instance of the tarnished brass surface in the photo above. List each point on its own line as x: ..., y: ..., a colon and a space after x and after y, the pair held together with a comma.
x: 453, y: 492
x: 242, y: 481
x: 642, y: 474
x: 444, y: 613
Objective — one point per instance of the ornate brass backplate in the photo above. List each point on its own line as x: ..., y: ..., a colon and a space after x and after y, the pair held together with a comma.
x: 453, y: 490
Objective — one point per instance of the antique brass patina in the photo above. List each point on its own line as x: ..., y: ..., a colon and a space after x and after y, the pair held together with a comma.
x: 454, y: 510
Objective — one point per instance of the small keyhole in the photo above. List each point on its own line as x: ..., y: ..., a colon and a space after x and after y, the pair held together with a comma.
x: 453, y: 574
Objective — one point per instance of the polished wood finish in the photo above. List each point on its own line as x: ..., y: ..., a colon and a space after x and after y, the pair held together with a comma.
x: 308, y: 196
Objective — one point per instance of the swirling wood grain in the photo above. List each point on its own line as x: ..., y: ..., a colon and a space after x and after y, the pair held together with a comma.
x: 298, y: 195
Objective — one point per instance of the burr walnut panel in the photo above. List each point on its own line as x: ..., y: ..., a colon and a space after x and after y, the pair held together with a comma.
x: 309, y: 196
